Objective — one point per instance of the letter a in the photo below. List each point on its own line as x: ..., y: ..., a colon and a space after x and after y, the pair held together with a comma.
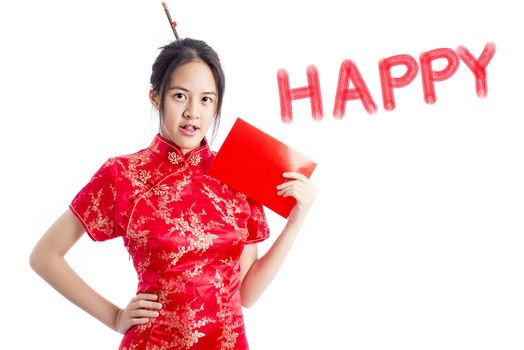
x: 349, y: 72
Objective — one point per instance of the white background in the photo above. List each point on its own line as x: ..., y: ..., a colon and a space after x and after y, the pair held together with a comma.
x: 416, y: 238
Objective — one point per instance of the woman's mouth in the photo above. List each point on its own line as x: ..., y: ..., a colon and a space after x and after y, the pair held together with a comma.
x: 188, y: 130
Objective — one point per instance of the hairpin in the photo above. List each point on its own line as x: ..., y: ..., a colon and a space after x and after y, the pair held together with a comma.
x: 171, y: 22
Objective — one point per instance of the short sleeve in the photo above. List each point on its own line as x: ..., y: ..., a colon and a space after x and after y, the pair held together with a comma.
x: 94, y: 205
x: 257, y: 227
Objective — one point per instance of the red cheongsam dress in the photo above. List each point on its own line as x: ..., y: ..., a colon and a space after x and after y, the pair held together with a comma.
x: 185, y: 231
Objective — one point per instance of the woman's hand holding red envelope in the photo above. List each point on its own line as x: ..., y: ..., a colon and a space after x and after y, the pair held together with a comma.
x: 302, y: 190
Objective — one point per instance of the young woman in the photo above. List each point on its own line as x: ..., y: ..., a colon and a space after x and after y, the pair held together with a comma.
x: 193, y: 240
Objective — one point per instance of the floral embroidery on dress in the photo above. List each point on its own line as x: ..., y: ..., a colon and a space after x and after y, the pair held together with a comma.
x: 144, y: 176
x: 137, y: 234
x: 185, y: 324
x: 228, y: 337
x: 182, y: 184
x: 180, y: 283
x: 198, y: 234
x: 227, y: 208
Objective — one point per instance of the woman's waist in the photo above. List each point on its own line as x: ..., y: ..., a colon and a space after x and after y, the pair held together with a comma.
x: 179, y: 309
x: 173, y: 295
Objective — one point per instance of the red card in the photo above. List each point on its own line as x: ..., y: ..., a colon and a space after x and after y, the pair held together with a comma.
x: 252, y: 162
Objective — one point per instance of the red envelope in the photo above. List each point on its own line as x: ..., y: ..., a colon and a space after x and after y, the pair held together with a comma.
x: 252, y: 162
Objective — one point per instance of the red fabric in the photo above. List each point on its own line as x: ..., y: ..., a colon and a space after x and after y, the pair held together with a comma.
x: 185, y: 231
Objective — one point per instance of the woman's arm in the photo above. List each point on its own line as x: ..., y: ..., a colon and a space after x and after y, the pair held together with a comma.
x: 256, y: 274
x: 47, y: 260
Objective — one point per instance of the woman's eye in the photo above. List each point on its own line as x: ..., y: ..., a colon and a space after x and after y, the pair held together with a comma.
x: 207, y: 99
x: 179, y: 96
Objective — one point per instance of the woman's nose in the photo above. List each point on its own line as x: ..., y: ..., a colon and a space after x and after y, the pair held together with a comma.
x: 191, y: 111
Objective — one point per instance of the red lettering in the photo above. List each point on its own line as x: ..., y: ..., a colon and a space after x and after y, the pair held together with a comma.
x: 349, y: 71
x: 478, y: 67
x: 429, y: 76
x: 388, y: 82
x: 349, y: 74
x: 312, y: 90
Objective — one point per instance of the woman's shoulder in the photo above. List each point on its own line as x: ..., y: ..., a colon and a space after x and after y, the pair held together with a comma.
x: 142, y: 157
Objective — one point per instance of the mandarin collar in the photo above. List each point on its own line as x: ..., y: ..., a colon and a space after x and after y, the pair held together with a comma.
x: 171, y: 152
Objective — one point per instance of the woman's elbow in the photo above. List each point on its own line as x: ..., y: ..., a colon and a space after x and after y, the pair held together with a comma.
x: 246, y: 299
x: 247, y: 304
x: 39, y: 259
x: 36, y: 260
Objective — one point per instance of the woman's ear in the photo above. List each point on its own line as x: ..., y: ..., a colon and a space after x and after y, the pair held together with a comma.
x: 153, y: 97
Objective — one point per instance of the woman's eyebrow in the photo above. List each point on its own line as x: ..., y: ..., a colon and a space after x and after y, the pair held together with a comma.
x: 177, y: 87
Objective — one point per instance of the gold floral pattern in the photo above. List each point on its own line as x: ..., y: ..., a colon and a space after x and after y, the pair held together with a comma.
x: 144, y: 176
x: 228, y: 337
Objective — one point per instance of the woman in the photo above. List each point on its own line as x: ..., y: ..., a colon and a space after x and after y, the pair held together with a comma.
x: 193, y: 239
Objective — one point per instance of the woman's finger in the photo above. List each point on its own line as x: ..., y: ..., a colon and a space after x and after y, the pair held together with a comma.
x: 294, y: 191
x: 141, y: 313
x: 302, y: 195
x: 296, y: 184
x: 288, y: 183
x: 135, y: 321
x: 145, y: 304
x: 144, y: 296
x: 295, y: 175
x: 147, y: 296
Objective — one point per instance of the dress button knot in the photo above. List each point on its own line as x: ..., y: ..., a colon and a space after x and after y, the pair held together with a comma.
x: 194, y: 159
x: 175, y: 158
x: 161, y: 190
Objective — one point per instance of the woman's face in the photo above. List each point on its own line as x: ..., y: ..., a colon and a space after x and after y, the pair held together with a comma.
x: 190, y: 105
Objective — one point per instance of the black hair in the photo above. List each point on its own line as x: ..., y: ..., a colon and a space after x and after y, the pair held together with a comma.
x: 178, y: 53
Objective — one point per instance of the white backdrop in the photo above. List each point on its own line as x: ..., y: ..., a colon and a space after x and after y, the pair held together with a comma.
x: 416, y: 238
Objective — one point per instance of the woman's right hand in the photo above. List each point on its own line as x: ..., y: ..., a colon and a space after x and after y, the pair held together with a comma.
x: 137, y: 312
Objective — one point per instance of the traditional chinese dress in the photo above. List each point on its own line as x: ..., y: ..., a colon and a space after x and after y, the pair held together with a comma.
x: 185, y: 232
